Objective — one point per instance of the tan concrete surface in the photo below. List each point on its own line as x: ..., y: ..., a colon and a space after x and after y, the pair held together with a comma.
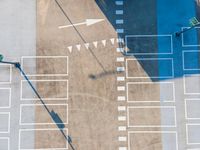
x: 93, y: 113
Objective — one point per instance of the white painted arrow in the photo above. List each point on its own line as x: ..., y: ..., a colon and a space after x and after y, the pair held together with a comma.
x: 88, y: 22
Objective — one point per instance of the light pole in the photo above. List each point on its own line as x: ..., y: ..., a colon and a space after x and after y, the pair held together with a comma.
x: 193, y: 22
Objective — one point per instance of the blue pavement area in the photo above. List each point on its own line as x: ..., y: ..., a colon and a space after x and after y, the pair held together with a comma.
x: 171, y: 17
x: 149, y: 32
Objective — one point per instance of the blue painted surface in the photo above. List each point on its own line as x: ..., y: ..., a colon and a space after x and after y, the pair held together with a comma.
x: 171, y: 17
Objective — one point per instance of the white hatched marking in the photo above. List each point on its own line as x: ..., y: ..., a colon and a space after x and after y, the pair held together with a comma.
x: 121, y: 118
x: 120, y: 78
x: 121, y: 108
x: 122, y: 128
x: 121, y: 98
x: 120, y: 59
x: 122, y: 138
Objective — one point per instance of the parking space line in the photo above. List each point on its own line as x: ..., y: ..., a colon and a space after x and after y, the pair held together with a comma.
x: 40, y: 105
x: 33, y: 130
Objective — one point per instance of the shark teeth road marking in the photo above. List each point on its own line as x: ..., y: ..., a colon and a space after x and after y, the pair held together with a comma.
x: 70, y: 48
x: 78, y: 47
x: 104, y: 42
x: 87, y: 45
x: 95, y: 43
x: 112, y: 41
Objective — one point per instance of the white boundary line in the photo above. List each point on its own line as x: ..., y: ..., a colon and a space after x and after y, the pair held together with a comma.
x: 146, y: 126
x: 182, y: 37
x: 47, y: 129
x: 167, y: 35
x: 45, y: 57
x: 187, y: 136
x: 64, y: 98
x: 153, y: 132
x: 183, y: 54
x: 130, y: 101
x: 34, y: 105
x: 146, y: 59
x: 186, y: 110
x: 8, y: 139
x: 7, y: 113
x: 9, y: 102
x: 10, y: 76
x: 184, y: 83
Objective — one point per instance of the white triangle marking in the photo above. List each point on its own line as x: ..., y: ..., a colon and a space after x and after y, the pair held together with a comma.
x: 78, y: 47
x: 104, y: 42
x: 112, y: 41
x: 70, y: 48
x: 87, y: 45
x: 95, y: 44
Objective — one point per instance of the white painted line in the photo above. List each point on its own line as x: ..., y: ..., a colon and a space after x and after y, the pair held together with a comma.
x: 5, y: 122
x: 120, y: 69
x: 190, y: 84
x: 121, y: 88
x: 120, y: 30
x: 119, y: 12
x: 192, y: 109
x: 27, y: 110
x: 120, y: 40
x: 120, y: 21
x: 169, y: 118
x: 6, y: 74
x: 28, y: 64
x: 122, y: 148
x: 169, y: 51
x: 192, y: 133
x: 119, y: 2
x: 122, y: 128
x: 122, y: 138
x: 121, y: 108
x: 121, y: 98
x: 183, y: 38
x: 121, y: 118
x: 120, y: 49
x: 63, y: 89
x: 24, y: 135
x: 120, y: 78
x: 5, y: 143
x: 166, y: 134
x: 5, y: 101
x: 190, y: 61
x: 148, y: 60
x: 120, y: 59
x: 167, y: 96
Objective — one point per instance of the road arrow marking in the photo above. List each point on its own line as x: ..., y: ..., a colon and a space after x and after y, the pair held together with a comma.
x: 88, y: 22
